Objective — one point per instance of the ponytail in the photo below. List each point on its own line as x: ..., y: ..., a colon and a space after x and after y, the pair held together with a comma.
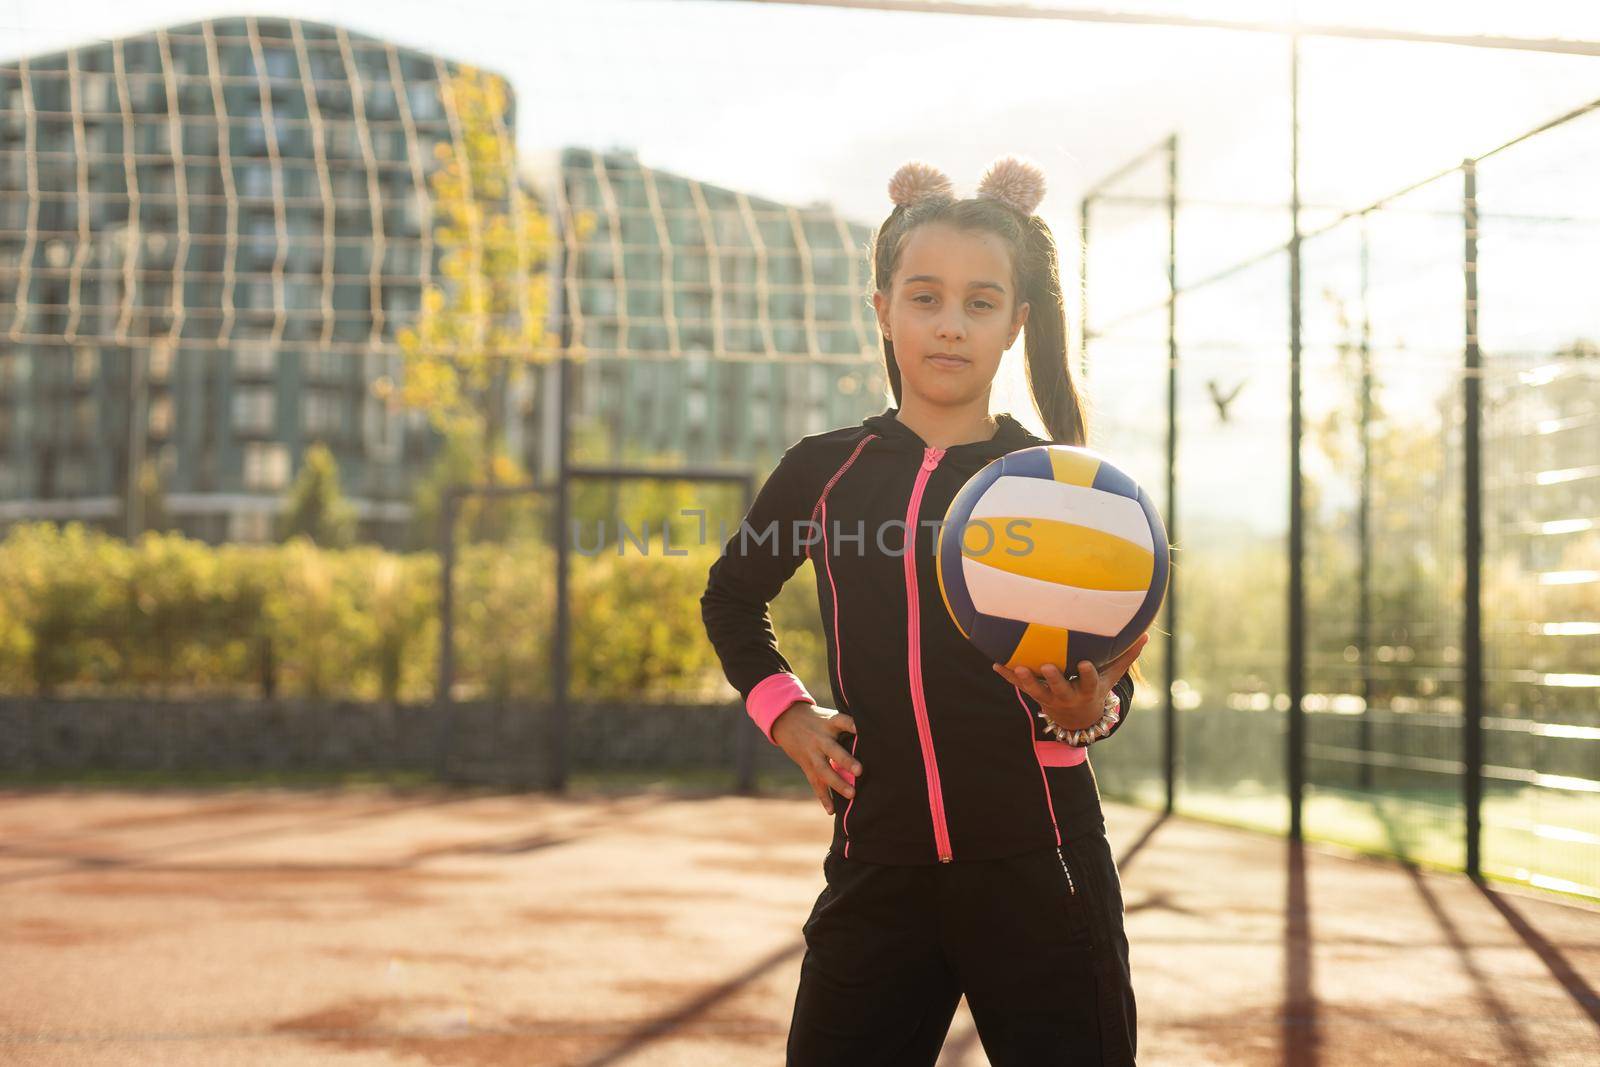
x: 1055, y: 396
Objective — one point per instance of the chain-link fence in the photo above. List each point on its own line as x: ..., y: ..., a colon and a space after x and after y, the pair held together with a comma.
x: 1439, y: 700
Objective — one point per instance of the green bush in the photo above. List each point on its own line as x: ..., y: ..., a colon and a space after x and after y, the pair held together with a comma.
x: 82, y: 612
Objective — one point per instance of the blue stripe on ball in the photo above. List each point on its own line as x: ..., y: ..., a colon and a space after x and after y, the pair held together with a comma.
x: 989, y: 632
x: 1096, y: 648
x: 1111, y: 480
x: 955, y: 580
x: 1028, y: 463
x: 1158, y: 578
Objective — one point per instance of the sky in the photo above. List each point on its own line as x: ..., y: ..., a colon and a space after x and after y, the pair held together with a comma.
x: 806, y: 104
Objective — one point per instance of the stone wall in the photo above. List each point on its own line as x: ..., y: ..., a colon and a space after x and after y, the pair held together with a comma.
x: 499, y: 743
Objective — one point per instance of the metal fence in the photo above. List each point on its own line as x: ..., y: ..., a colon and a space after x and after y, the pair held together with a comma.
x: 1382, y: 461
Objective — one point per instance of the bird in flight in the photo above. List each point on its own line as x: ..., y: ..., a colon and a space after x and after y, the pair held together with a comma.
x: 1219, y: 399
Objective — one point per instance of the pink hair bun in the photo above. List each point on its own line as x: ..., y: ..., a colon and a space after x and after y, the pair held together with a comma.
x: 916, y: 180
x: 1015, y: 181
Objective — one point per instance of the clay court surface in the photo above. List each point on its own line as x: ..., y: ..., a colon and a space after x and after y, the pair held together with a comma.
x: 374, y: 927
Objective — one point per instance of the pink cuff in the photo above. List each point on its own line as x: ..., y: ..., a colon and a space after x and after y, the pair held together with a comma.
x: 1059, y: 754
x: 772, y: 696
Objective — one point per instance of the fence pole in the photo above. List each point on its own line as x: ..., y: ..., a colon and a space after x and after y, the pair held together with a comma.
x: 447, y: 561
x: 556, y: 735
x: 1296, y: 733
x: 1364, y: 523
x: 1472, y: 622
x: 1169, y: 716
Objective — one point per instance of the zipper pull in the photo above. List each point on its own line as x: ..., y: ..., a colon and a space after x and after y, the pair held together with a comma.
x: 1073, y: 889
x: 931, y: 458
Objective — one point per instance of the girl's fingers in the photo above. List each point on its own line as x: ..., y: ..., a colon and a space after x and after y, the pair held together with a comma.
x: 1054, y: 689
x: 1088, y: 679
x: 1058, y: 684
x: 1032, y: 686
x: 822, y: 794
x: 833, y: 780
x: 842, y: 758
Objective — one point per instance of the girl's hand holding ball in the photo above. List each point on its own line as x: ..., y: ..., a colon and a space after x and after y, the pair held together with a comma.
x: 1075, y: 705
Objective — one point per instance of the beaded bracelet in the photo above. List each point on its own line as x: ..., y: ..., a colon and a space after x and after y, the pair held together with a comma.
x: 1109, y: 717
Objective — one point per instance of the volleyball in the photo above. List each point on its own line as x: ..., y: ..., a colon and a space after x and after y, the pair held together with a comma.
x: 1052, y: 554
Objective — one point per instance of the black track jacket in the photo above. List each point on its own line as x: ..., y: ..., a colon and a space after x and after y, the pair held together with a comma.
x: 955, y: 763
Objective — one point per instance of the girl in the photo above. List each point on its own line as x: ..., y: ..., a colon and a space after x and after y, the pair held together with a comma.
x: 969, y: 851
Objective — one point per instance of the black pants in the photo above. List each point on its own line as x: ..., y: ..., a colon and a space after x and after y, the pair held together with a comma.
x: 1035, y: 942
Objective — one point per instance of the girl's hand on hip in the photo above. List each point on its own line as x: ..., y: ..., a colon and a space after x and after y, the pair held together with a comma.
x: 806, y: 732
x: 1079, y: 704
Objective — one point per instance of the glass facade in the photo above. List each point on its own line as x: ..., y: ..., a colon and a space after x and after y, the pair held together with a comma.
x: 713, y: 325
x: 210, y: 236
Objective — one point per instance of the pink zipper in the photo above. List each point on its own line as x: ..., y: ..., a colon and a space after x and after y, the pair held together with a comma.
x: 919, y: 703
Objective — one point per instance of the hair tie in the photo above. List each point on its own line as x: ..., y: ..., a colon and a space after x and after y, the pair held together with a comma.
x: 915, y: 181
x: 1015, y: 182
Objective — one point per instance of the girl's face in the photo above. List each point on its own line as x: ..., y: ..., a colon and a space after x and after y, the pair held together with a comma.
x: 951, y: 312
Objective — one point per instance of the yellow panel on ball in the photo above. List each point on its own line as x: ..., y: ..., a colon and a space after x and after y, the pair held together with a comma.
x: 1039, y: 644
x: 1074, y: 468
x: 1063, y: 552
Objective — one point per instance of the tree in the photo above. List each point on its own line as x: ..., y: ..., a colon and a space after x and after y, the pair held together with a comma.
x: 484, y: 322
x: 457, y: 462
x: 315, y: 506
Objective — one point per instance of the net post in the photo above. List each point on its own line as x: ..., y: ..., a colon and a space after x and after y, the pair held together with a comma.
x: 1472, y: 542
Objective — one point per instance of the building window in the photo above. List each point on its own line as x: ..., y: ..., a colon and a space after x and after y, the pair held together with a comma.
x: 254, y: 360
x: 266, y: 465
x: 85, y: 365
x: 424, y: 100
x: 321, y: 365
x: 322, y: 412
x: 254, y: 409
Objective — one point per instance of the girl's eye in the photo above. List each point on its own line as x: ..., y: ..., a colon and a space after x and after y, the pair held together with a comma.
x: 917, y: 299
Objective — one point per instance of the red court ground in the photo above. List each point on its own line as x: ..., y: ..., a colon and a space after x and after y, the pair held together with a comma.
x: 369, y: 926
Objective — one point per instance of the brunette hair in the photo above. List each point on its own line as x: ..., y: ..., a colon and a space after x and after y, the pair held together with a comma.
x: 1004, y: 206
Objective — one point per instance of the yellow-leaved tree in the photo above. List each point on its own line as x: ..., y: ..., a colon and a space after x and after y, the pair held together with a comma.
x: 482, y: 322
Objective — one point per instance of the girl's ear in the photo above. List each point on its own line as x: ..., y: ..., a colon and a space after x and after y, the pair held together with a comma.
x: 1018, y: 322
x: 880, y: 304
